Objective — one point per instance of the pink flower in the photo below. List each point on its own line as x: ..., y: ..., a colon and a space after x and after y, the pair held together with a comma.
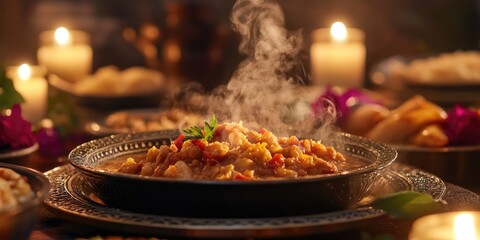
x: 15, y: 132
x: 462, y: 126
x: 343, y: 102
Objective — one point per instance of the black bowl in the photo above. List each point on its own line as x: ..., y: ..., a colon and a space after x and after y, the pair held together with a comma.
x: 18, y: 222
x: 211, y: 198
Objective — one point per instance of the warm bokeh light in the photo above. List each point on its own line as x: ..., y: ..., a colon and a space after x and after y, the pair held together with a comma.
x: 24, y: 72
x: 62, y: 36
x: 172, y: 52
x: 465, y: 227
x: 338, y: 31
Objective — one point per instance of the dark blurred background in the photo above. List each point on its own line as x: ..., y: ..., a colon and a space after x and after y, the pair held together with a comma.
x: 193, y: 40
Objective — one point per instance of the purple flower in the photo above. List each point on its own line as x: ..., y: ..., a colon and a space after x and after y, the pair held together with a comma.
x: 15, y: 132
x: 50, y: 142
x: 343, y: 103
x: 462, y: 126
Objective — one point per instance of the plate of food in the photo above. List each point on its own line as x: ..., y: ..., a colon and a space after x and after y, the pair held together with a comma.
x: 445, y: 78
x: 111, y: 88
x: 141, y: 120
x: 71, y: 198
x: 443, y: 141
x: 231, y: 164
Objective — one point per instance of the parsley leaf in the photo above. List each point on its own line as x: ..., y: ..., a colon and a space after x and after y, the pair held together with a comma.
x: 207, y: 133
x: 193, y: 133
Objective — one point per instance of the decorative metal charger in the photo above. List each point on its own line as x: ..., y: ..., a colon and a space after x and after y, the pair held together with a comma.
x: 72, y: 200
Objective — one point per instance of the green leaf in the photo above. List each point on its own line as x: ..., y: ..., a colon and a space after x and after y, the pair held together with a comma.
x: 209, y: 128
x: 408, y: 204
x: 193, y: 132
x: 8, y: 95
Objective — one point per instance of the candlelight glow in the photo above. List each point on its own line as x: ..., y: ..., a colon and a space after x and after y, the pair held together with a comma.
x: 465, y: 227
x: 24, y: 71
x: 62, y: 36
x: 338, y: 32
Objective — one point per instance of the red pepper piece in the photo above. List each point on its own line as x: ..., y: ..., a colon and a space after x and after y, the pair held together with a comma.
x: 277, y: 161
x: 199, y: 143
x: 179, y: 141
x: 263, y: 131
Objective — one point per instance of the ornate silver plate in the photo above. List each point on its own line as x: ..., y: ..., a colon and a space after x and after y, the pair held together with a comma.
x: 72, y: 200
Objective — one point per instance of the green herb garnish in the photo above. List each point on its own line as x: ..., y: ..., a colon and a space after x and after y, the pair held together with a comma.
x: 207, y: 133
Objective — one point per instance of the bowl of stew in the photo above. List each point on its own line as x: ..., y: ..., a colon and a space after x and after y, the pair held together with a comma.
x: 149, y: 172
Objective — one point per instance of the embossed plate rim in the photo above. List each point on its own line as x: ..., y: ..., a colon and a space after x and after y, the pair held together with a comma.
x: 85, y: 211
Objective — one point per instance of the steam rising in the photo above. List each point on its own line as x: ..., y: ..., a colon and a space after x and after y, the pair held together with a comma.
x: 261, y: 93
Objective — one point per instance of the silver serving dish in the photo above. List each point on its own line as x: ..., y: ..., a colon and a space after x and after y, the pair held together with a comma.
x: 71, y: 199
x: 210, y: 198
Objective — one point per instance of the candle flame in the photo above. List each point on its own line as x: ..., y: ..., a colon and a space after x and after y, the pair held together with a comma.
x: 24, y: 71
x: 465, y: 227
x: 338, y: 32
x: 62, y: 36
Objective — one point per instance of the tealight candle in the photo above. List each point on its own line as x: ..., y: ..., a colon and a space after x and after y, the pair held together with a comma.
x: 447, y: 226
x: 338, y: 56
x: 29, y: 81
x: 65, y: 53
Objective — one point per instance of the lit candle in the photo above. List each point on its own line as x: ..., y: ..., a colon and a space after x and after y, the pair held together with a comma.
x: 443, y: 226
x: 65, y: 53
x: 338, y: 56
x: 29, y: 81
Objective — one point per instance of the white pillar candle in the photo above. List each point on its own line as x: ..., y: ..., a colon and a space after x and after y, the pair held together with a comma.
x: 338, y: 56
x: 66, y: 54
x: 447, y: 226
x: 29, y: 81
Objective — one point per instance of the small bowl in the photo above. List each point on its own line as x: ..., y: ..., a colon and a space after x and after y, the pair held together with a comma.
x: 211, y: 198
x: 458, y: 165
x: 18, y: 222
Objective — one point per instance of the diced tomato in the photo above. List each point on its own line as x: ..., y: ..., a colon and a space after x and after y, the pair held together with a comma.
x: 218, y: 132
x: 263, y: 131
x: 179, y: 141
x: 239, y: 176
x: 199, y: 143
x: 277, y: 161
